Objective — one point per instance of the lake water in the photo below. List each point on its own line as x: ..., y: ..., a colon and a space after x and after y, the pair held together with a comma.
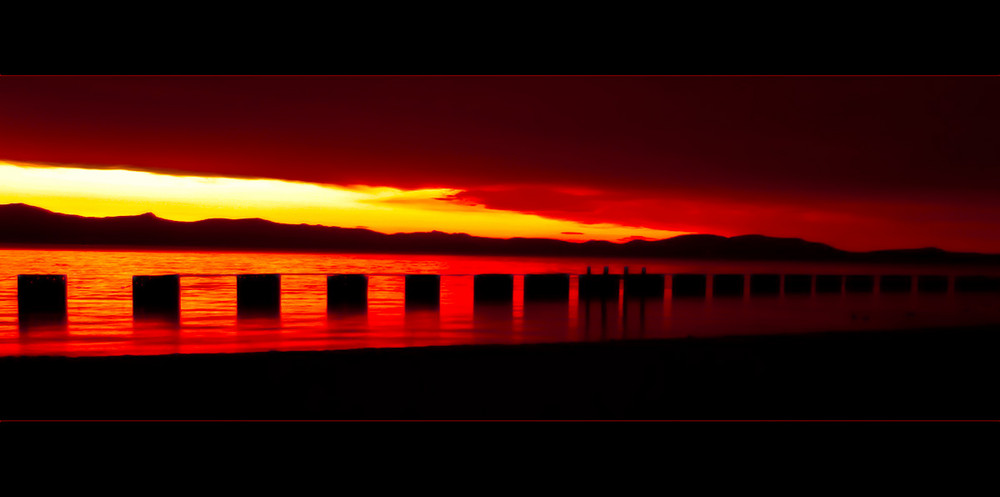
x: 100, y: 320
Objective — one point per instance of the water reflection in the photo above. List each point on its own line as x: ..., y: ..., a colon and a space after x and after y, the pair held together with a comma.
x: 600, y: 318
x: 147, y: 318
x: 493, y: 316
x: 349, y: 318
x: 153, y: 321
x: 544, y: 305
x: 547, y: 317
x: 43, y: 339
x: 38, y: 321
x: 642, y: 317
x: 422, y: 318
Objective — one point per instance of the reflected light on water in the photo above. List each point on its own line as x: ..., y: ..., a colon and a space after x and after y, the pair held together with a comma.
x: 100, y: 319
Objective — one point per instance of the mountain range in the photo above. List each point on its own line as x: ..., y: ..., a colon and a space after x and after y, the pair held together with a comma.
x: 23, y: 225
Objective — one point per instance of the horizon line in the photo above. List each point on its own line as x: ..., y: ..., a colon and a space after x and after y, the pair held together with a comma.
x: 574, y: 242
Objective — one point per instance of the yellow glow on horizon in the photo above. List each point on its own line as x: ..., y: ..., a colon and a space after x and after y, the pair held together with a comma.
x: 122, y: 192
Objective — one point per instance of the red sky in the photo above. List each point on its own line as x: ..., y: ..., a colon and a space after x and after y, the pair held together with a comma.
x: 860, y: 163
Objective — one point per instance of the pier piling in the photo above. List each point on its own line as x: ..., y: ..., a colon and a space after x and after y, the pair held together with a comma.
x: 688, y: 285
x: 422, y: 291
x: 599, y: 286
x: 346, y: 293
x: 41, y: 299
x: 859, y: 283
x: 258, y: 295
x: 765, y: 284
x: 643, y: 285
x: 798, y: 284
x: 496, y: 288
x: 829, y: 283
x: 156, y: 296
x: 895, y: 283
x: 977, y: 283
x: 546, y: 300
x: 932, y: 283
x: 493, y: 302
x: 550, y: 287
x: 727, y: 285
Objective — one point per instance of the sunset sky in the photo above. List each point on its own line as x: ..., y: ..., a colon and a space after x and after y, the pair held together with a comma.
x: 860, y: 163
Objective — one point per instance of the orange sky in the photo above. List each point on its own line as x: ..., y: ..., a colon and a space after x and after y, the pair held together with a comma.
x: 120, y: 192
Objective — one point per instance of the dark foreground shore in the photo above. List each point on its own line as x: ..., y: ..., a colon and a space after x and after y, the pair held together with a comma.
x: 913, y: 374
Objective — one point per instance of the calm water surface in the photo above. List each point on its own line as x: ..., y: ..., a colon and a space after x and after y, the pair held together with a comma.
x: 100, y: 318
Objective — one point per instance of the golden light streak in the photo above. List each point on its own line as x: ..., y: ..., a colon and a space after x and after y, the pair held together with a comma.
x: 122, y: 192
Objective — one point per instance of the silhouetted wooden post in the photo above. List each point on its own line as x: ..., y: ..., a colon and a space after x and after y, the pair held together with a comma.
x: 496, y: 288
x: 859, y: 283
x: 546, y: 301
x: 553, y: 287
x: 977, y: 283
x: 346, y: 293
x: 156, y: 296
x: 798, y: 284
x: 493, y: 302
x: 727, y: 285
x: 643, y: 293
x: 829, y: 283
x: 932, y: 283
x: 765, y: 284
x: 895, y: 283
x: 688, y: 285
x: 602, y: 286
x: 422, y: 291
x: 644, y: 285
x: 41, y: 299
x: 603, y: 291
x: 258, y: 295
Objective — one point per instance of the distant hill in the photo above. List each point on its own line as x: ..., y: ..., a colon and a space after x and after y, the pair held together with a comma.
x: 25, y: 225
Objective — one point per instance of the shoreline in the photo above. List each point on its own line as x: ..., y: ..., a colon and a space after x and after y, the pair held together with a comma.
x: 927, y: 373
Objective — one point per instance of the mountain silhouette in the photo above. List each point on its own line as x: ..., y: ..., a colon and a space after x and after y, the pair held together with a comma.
x: 24, y: 225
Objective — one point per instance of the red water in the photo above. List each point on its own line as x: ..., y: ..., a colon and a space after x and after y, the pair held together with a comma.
x: 100, y: 318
